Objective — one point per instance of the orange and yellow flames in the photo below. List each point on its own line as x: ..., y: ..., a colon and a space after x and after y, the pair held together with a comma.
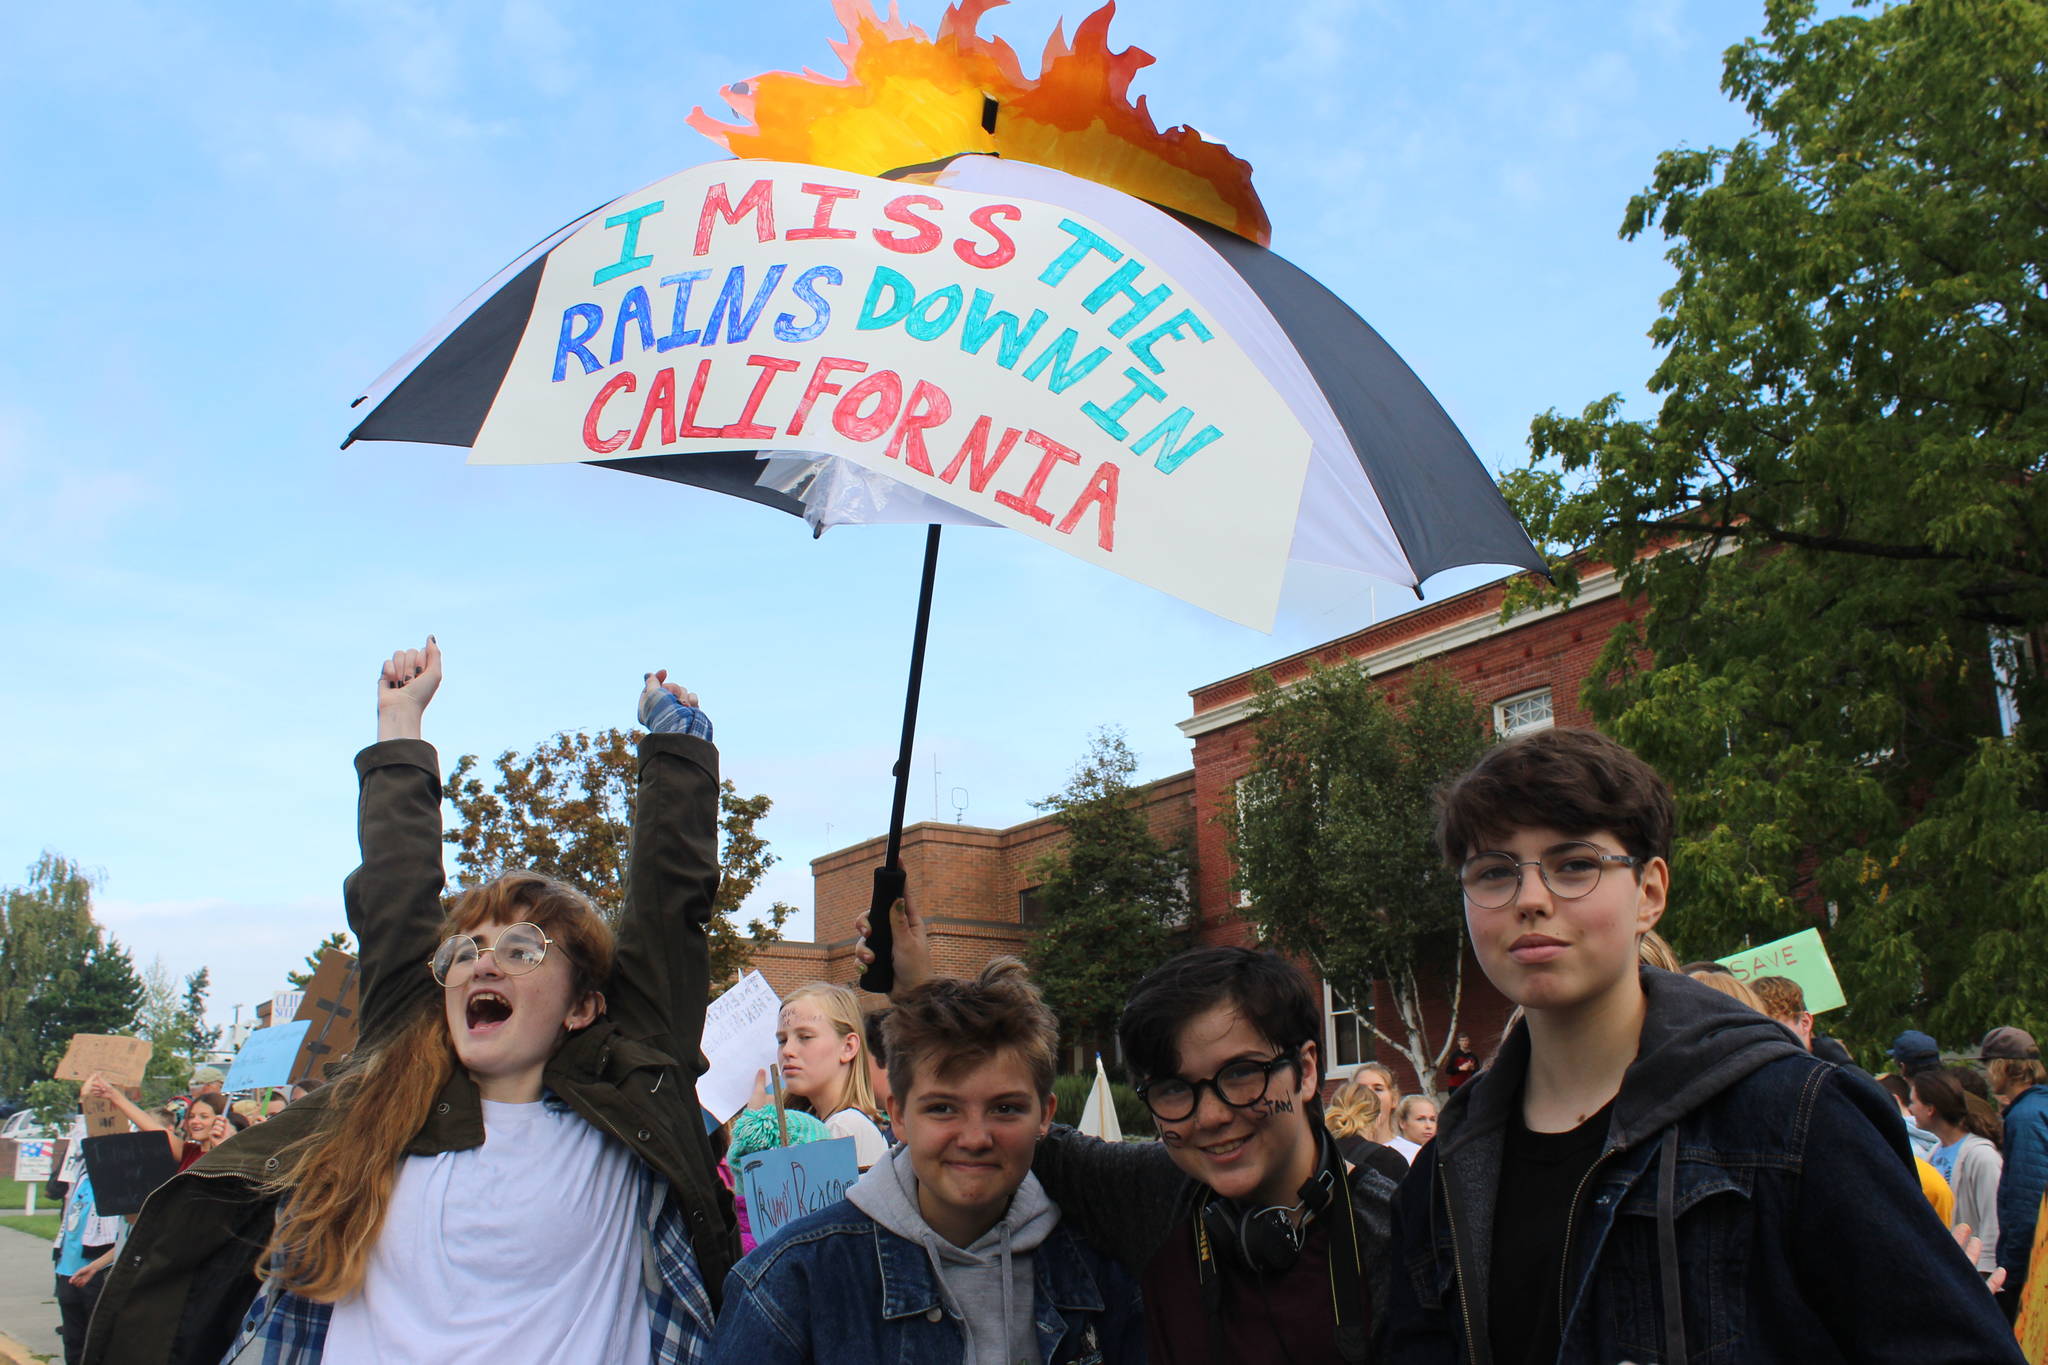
x: 907, y: 99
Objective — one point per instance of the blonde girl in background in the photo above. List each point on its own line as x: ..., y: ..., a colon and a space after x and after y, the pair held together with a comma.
x: 1376, y: 1077
x: 821, y: 1046
x: 1351, y: 1114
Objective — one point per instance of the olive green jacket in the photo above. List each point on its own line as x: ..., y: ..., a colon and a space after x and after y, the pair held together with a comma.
x: 179, y: 1289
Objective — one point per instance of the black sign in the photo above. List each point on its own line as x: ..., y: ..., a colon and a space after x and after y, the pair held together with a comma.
x: 125, y: 1167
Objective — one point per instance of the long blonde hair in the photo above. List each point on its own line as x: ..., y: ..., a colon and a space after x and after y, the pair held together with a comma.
x: 336, y: 1183
x: 841, y: 1008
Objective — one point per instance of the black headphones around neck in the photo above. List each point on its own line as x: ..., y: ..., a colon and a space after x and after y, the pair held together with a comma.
x: 1268, y: 1241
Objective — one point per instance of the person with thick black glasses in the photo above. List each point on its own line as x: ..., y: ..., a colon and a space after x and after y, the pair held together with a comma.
x: 1251, y: 1236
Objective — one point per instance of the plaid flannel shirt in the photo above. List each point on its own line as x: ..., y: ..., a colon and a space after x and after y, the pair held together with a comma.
x: 293, y: 1331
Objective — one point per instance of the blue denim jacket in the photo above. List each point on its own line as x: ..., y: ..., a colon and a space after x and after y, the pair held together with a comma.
x: 835, y: 1286
x: 1767, y: 1195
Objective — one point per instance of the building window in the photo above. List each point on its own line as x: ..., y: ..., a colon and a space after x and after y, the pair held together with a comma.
x: 1030, y: 906
x: 1523, y: 715
x: 1347, y: 1033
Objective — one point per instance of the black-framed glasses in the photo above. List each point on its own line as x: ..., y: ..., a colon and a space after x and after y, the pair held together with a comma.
x: 1240, y: 1084
x: 520, y: 948
x: 1492, y: 880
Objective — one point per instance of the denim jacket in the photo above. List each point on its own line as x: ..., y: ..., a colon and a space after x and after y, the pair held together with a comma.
x: 835, y: 1286
x: 1751, y: 1204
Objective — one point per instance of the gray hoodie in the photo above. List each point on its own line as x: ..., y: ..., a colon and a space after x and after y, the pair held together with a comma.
x: 988, y: 1287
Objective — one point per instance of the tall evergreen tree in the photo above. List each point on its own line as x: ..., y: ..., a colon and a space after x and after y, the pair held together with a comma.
x: 59, y: 973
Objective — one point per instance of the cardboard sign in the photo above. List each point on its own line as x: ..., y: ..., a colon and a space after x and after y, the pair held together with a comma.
x: 125, y: 1168
x: 33, y: 1161
x: 1019, y: 364
x: 739, y: 1041
x: 266, y: 1057
x: 101, y: 1117
x: 120, y: 1059
x: 331, y: 1001
x: 783, y: 1184
x: 1803, y: 958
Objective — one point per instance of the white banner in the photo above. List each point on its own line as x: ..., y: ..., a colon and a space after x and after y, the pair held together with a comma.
x: 1007, y: 356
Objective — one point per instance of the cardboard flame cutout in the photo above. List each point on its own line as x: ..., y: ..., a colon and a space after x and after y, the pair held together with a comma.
x: 908, y: 99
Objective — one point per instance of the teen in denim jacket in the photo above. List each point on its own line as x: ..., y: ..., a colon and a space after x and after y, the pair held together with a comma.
x: 947, y: 1250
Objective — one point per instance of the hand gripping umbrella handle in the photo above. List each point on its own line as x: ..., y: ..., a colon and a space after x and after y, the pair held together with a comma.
x: 889, y: 884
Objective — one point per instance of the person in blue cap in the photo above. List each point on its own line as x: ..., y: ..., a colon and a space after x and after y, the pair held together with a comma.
x: 1915, y: 1052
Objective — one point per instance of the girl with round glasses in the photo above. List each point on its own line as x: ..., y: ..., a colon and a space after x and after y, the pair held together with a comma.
x: 514, y: 1167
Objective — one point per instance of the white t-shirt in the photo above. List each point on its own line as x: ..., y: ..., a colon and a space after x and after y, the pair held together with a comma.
x: 1406, y: 1148
x: 869, y: 1146
x: 524, y: 1251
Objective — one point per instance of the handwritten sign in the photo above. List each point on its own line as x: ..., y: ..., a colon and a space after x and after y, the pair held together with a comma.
x: 34, y: 1161
x: 120, y: 1059
x: 1802, y: 958
x: 739, y: 1041
x: 1007, y: 357
x: 266, y: 1057
x: 783, y: 1184
x: 284, y: 1005
x: 125, y: 1168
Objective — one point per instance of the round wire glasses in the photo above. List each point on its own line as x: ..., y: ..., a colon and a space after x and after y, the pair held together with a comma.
x: 1491, y: 880
x: 520, y: 948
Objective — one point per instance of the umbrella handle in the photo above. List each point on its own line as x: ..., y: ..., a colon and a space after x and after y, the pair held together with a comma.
x: 881, y: 977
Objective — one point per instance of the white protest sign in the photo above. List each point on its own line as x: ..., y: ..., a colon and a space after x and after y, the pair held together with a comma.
x: 1004, y: 355
x: 739, y: 1040
x: 33, y: 1161
x: 284, y: 1006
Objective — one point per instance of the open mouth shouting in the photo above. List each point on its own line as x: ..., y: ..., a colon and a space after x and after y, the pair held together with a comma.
x: 485, y: 1012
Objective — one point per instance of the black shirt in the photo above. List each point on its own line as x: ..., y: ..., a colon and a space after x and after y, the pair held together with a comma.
x: 1542, y: 1179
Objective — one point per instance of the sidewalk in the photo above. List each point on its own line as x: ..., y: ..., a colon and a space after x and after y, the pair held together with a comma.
x: 28, y: 1310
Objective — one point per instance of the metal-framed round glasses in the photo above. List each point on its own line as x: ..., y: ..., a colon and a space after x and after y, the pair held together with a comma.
x: 1492, y: 880
x: 1240, y: 1084
x: 520, y: 948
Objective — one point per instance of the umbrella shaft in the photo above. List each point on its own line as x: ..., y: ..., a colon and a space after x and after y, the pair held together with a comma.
x: 910, y: 695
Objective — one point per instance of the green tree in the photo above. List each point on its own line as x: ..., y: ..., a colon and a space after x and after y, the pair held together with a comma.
x: 1332, y: 834
x: 174, y: 1021
x: 1113, y: 897
x: 59, y: 973
x: 566, y: 809
x: 337, y: 940
x: 1848, y: 451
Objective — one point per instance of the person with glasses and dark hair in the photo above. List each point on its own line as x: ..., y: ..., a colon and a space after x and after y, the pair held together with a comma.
x: 1252, y: 1237
x: 514, y: 1167
x: 1649, y: 1170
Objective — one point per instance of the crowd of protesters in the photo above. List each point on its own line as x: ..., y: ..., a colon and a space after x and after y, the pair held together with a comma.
x: 1654, y: 1163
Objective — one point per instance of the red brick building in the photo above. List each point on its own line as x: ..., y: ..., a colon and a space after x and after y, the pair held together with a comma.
x: 975, y: 885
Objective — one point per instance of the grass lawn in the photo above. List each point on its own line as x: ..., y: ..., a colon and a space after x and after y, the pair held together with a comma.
x: 12, y: 1196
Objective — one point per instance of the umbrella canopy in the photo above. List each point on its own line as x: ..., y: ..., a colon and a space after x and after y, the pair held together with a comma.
x: 999, y: 344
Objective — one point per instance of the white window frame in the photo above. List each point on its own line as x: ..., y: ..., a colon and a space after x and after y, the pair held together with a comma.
x: 1501, y: 708
x: 1330, y: 1024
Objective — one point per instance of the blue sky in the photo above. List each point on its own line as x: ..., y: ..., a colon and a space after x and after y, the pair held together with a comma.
x: 227, y: 222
